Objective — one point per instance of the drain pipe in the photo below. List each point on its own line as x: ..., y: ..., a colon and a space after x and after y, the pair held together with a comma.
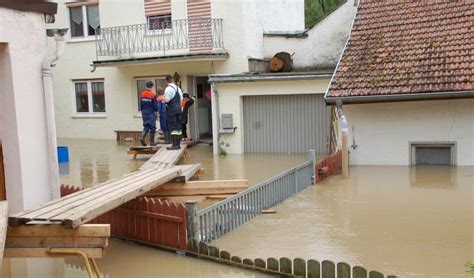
x: 345, y: 141
x: 46, y: 65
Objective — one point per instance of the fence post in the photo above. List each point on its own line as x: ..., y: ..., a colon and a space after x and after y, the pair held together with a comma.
x: 191, y: 221
x: 312, y: 158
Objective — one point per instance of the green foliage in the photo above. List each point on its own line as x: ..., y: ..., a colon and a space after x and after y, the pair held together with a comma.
x: 222, y: 152
x: 470, y: 267
x: 314, y: 10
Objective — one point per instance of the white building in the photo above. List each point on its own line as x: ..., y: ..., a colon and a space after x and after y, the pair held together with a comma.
x: 408, y: 96
x: 97, y: 82
x: 29, y: 159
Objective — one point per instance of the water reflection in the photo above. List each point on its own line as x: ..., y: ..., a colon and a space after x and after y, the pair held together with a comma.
x: 433, y: 176
x: 374, y: 219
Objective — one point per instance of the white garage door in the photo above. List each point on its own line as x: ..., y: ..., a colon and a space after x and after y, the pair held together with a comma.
x: 286, y: 124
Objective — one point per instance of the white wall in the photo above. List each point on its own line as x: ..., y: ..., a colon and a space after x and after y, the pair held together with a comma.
x: 230, y: 102
x: 22, y: 109
x: 382, y: 132
x: 324, y: 44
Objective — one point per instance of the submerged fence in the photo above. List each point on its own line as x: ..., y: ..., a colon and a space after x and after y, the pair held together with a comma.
x: 224, y: 216
x: 328, y: 166
x: 145, y: 219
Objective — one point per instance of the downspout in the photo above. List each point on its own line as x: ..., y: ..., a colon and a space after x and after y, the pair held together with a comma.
x: 345, y: 141
x: 46, y: 65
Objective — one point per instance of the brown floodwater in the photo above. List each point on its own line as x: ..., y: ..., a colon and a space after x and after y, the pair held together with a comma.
x: 407, y: 221
x: 96, y: 161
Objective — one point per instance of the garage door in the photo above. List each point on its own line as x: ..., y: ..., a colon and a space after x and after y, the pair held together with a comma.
x: 285, y: 124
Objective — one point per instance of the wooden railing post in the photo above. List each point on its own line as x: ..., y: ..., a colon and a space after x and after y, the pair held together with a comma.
x: 191, y: 221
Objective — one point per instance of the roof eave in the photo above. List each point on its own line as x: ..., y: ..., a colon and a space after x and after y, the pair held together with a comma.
x: 399, y: 97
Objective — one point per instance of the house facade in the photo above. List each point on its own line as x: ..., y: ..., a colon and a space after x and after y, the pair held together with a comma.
x: 29, y: 168
x: 406, y: 86
x: 115, y: 47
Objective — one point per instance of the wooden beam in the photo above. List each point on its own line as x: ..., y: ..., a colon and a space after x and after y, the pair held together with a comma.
x: 184, y: 199
x: 218, y: 197
x: 194, y: 188
x: 86, y: 230
x: 93, y: 253
x: 56, y: 242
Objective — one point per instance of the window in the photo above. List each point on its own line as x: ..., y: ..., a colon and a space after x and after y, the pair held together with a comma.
x: 159, y: 22
x: 433, y: 153
x: 84, y: 21
x: 89, y: 97
x: 140, y: 84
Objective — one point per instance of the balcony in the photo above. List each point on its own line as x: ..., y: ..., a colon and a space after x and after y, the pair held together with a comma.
x: 183, y: 39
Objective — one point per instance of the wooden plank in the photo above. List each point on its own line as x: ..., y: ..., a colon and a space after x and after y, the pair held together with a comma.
x: 208, y: 184
x: 3, y: 226
x: 86, y: 230
x: 56, y: 242
x: 88, y: 212
x: 23, y: 217
x: 93, y: 253
x: 375, y: 274
x: 184, y: 199
x: 343, y: 270
x: 299, y: 267
x: 188, y: 171
x: 285, y: 266
x: 328, y: 269
x: 272, y: 264
x: 359, y: 272
x: 139, y: 180
x: 218, y: 197
x: 164, y: 158
x: 268, y: 211
x: 314, y: 269
x: 195, y: 191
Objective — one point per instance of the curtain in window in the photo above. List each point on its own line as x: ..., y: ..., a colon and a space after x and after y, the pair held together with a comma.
x: 76, y: 22
x: 93, y: 19
x: 98, y: 96
x: 82, y: 101
x: 141, y: 85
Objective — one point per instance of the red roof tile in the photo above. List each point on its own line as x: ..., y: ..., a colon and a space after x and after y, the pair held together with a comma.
x: 408, y: 47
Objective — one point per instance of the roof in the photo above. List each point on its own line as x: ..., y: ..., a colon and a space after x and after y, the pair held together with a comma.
x: 404, y: 49
x: 277, y: 76
x: 38, y: 6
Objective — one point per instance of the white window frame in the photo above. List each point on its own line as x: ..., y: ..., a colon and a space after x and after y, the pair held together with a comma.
x: 137, y: 113
x: 158, y: 31
x: 91, y: 113
x: 85, y: 30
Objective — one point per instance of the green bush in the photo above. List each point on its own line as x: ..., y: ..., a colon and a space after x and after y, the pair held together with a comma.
x: 314, y: 10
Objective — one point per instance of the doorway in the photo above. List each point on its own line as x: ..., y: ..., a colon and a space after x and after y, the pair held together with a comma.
x: 200, y: 118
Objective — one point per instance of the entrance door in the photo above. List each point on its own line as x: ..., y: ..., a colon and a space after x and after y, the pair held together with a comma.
x: 200, y: 115
x: 286, y: 124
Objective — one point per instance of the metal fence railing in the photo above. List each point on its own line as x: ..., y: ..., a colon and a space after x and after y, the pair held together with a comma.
x: 226, y: 215
x: 196, y: 33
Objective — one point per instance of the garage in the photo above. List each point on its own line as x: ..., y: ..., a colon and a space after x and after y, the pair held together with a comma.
x: 285, y: 123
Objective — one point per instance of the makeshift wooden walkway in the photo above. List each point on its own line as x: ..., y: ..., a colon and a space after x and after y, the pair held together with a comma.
x: 164, y: 158
x: 85, y: 205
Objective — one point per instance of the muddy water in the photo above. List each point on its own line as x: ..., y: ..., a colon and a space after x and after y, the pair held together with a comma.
x: 95, y: 161
x: 125, y: 260
x: 412, y: 222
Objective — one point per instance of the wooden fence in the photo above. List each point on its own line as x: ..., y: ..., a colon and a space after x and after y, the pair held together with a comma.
x: 145, y: 219
x: 330, y: 165
x: 283, y: 267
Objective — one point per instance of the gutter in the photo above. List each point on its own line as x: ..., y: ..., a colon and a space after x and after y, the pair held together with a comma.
x: 46, y: 65
x: 256, y: 78
x: 399, y: 97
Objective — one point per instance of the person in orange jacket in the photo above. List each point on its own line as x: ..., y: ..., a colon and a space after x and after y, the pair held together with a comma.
x: 186, y: 103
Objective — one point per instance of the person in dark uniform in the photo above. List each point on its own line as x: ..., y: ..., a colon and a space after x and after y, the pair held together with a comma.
x: 173, y: 98
x: 149, y: 106
x: 163, y: 116
x: 185, y: 105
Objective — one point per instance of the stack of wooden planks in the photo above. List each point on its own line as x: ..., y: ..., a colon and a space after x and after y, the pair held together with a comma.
x: 80, y: 207
x: 198, y: 190
x: 34, y: 241
x: 164, y: 158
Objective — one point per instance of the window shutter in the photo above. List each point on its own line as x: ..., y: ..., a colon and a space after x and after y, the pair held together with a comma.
x: 157, y: 7
x: 199, y: 8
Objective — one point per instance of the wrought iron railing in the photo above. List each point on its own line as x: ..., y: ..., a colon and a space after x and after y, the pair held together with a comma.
x: 224, y: 216
x: 198, y: 35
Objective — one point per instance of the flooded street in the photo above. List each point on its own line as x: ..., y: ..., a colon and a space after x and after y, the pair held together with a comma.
x: 96, y: 161
x: 411, y: 222
x: 124, y: 260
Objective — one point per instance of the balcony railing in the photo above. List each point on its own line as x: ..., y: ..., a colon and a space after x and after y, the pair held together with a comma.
x: 194, y: 35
